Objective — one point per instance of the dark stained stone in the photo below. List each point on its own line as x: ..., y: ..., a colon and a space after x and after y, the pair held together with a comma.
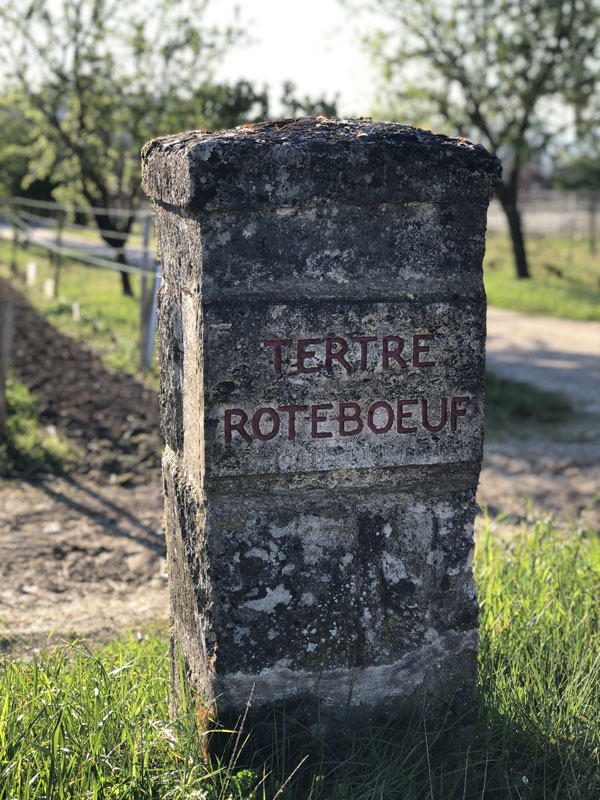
x: 322, y: 328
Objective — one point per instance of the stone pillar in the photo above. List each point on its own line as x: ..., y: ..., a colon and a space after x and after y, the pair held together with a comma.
x: 322, y: 326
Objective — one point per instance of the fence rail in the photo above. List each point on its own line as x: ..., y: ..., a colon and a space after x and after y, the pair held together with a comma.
x: 63, y: 237
x: 570, y: 213
x: 54, y: 227
x: 139, y: 213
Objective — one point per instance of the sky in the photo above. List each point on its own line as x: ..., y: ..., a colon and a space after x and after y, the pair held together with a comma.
x: 314, y: 43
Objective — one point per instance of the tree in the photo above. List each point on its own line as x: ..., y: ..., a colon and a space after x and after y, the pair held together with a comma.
x: 504, y: 72
x: 306, y: 106
x: 577, y: 166
x: 96, y: 79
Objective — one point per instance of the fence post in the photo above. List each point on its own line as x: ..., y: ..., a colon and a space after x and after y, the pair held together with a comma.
x: 6, y: 324
x: 57, y: 255
x: 592, y: 220
x: 146, y: 297
x: 15, y: 245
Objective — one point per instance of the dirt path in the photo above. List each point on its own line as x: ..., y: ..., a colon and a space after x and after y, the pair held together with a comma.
x: 86, y: 554
x: 560, y: 355
x: 560, y: 474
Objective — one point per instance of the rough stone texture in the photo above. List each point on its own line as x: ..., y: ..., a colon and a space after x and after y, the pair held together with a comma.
x: 322, y: 324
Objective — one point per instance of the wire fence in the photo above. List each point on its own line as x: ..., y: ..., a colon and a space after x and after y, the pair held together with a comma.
x: 60, y: 230
x: 544, y: 212
x: 63, y: 230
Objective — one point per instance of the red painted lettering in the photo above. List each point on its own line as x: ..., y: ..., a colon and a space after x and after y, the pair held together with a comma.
x: 362, y: 340
x: 419, y: 348
x: 393, y: 353
x: 303, y: 355
x: 316, y: 418
x: 258, y: 415
x: 401, y: 415
x: 443, y: 415
x: 371, y: 417
x: 345, y: 417
x: 238, y: 426
x: 336, y: 355
x: 277, y: 344
x: 292, y: 411
x: 455, y: 411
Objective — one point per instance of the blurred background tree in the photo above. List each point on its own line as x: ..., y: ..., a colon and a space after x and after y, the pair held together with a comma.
x: 512, y: 74
x: 294, y: 106
x: 578, y: 166
x: 88, y: 82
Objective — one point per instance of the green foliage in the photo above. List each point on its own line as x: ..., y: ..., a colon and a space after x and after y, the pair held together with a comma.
x: 486, y: 67
x: 492, y: 71
x: 15, y: 133
x: 91, y: 81
x: 77, y: 724
x: 516, y: 407
x: 565, y: 280
x: 28, y: 446
x: 578, y: 172
x: 294, y: 106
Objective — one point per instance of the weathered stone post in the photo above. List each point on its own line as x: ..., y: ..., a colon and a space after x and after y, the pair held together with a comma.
x: 322, y: 325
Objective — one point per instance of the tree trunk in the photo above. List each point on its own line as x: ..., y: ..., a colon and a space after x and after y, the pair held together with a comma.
x: 125, y: 282
x: 106, y: 225
x: 508, y: 197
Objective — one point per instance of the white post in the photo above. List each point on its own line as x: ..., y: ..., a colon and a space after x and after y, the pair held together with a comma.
x: 31, y: 275
x: 49, y: 288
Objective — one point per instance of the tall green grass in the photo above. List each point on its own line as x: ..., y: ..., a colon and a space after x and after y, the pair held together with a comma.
x: 79, y: 725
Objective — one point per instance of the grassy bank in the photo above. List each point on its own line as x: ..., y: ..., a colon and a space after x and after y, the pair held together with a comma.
x: 109, y: 321
x: 75, y: 724
x: 28, y: 445
x: 565, y: 277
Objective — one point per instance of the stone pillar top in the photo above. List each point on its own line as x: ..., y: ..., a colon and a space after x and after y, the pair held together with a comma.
x: 311, y: 161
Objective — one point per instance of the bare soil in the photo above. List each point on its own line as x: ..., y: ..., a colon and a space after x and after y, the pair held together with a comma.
x: 84, y: 553
x: 555, y: 471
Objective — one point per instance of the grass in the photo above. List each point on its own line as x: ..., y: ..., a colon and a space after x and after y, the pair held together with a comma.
x: 79, y: 725
x: 110, y: 321
x: 565, y: 277
x: 29, y: 446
